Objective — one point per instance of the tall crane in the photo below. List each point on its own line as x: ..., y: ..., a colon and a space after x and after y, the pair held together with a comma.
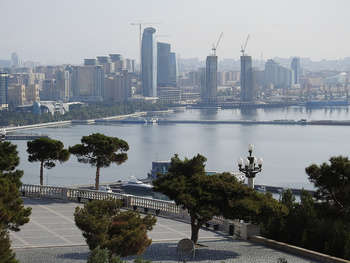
x: 243, y: 47
x: 217, y: 44
x: 140, y: 24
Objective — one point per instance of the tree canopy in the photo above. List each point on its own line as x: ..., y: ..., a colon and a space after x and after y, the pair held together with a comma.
x: 12, y: 212
x: 205, y: 196
x: 100, y: 151
x: 47, y: 151
x: 105, y: 226
x: 332, y: 181
x: 320, y: 222
x: 9, y: 156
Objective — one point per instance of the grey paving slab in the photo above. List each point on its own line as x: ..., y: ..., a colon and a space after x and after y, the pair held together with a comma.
x: 51, y: 236
x: 52, y: 222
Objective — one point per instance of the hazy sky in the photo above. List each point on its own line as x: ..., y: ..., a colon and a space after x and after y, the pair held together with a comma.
x: 66, y: 31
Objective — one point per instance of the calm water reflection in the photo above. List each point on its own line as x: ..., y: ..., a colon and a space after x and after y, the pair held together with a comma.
x: 286, y: 150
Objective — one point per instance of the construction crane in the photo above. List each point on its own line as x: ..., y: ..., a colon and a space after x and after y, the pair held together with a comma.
x: 217, y: 44
x: 245, y: 45
x: 140, y: 24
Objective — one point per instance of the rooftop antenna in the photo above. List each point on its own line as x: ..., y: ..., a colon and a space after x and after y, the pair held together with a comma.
x: 217, y: 44
x: 243, y: 47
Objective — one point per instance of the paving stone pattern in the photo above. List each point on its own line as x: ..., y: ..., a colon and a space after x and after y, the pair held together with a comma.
x: 51, y: 236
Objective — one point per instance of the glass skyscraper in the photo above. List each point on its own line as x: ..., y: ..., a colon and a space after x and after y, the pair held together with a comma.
x: 295, y: 65
x: 149, y: 63
x: 166, y: 66
x: 163, y: 65
x: 247, y: 84
x: 3, y: 89
x: 211, y: 70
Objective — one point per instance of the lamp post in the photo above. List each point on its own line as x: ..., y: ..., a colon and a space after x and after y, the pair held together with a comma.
x: 250, y: 167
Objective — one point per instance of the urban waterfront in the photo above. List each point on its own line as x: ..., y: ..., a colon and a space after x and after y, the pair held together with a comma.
x: 286, y: 150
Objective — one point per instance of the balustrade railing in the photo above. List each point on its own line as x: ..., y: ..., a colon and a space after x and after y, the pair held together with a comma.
x: 129, y: 201
x: 166, y: 208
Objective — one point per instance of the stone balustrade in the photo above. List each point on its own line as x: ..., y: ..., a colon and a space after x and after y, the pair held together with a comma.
x: 81, y: 195
x: 158, y: 207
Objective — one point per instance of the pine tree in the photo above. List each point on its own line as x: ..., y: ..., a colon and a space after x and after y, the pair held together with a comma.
x: 12, y: 212
x: 46, y: 151
x: 100, y: 151
x: 105, y: 226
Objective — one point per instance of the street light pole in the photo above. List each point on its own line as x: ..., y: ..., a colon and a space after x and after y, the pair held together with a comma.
x: 250, y: 167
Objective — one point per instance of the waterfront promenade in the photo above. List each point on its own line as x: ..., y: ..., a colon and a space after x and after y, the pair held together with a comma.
x: 51, y: 236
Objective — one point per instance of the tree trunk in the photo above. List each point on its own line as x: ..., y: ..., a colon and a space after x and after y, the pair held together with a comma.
x: 194, y: 230
x: 97, y: 179
x: 42, y: 173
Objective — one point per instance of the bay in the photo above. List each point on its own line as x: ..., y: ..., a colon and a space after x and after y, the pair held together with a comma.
x: 286, y: 150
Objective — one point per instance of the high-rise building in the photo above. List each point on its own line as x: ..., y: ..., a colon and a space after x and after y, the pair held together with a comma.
x: 163, y: 64
x: 117, y: 62
x: 87, y: 82
x: 247, y: 83
x: 4, y: 77
x: 14, y: 60
x: 105, y: 61
x: 295, y: 65
x: 118, y: 87
x: 32, y: 93
x: 90, y: 62
x: 211, y: 83
x: 129, y: 64
x: 48, y: 91
x: 202, y: 85
x: 63, y: 85
x: 166, y: 67
x: 173, y: 69
x: 149, y: 63
x: 16, y: 95
x: 277, y: 75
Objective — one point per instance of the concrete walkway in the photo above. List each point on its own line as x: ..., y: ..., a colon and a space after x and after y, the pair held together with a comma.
x: 51, y: 236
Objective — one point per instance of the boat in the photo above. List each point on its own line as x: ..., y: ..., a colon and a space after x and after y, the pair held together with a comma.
x: 105, y: 188
x: 2, y: 134
x: 151, y: 120
x: 136, y: 185
x: 261, y: 188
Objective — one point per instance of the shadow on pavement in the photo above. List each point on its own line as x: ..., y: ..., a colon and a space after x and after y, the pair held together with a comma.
x: 167, y: 252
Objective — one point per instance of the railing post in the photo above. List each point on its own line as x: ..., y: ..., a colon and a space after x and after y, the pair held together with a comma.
x: 64, y: 192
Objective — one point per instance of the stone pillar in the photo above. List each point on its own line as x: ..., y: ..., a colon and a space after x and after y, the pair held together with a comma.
x: 244, y: 230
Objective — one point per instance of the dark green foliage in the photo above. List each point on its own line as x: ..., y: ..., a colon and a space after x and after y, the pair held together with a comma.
x: 207, y: 196
x: 105, y: 226
x: 128, y: 233
x: 333, y: 183
x: 9, y: 156
x: 12, y: 212
x: 46, y: 151
x: 99, y: 255
x: 322, y: 225
x: 6, y: 254
x: 100, y: 151
x: 311, y: 225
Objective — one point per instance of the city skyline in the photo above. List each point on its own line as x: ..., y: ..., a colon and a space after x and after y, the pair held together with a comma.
x: 64, y: 32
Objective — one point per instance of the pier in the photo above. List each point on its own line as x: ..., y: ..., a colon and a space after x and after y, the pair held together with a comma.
x: 301, y: 122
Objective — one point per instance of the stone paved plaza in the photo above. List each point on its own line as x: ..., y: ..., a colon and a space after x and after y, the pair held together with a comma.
x: 51, y: 236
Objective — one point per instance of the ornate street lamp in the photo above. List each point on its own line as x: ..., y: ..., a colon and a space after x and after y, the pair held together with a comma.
x: 250, y: 167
